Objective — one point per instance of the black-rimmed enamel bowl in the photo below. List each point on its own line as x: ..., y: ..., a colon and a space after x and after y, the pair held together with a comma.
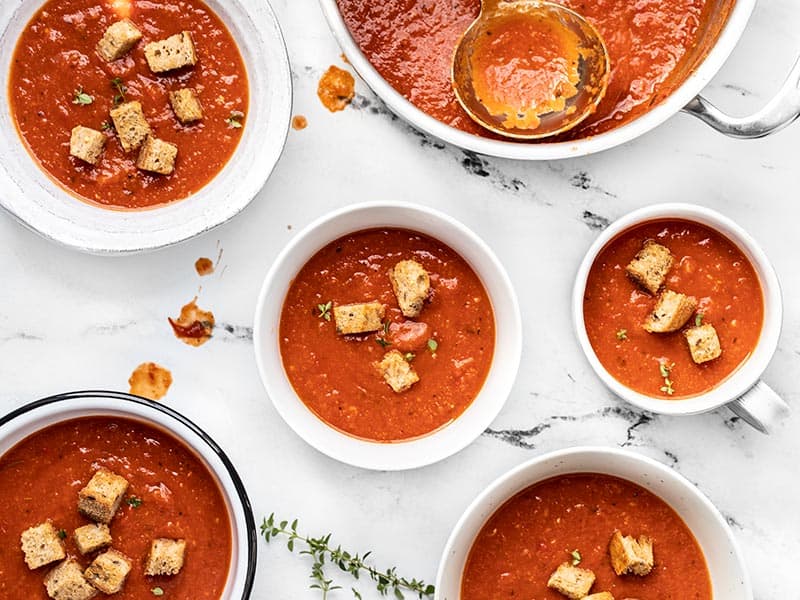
x: 33, y: 417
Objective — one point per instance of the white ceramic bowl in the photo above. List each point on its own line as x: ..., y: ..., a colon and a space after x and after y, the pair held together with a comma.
x: 729, y: 577
x: 21, y: 423
x: 44, y: 206
x: 441, y: 443
x: 783, y: 110
x: 747, y: 395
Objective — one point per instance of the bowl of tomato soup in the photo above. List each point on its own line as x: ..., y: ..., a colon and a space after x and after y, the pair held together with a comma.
x: 180, y: 486
x: 679, y: 311
x: 132, y: 125
x: 387, y: 335
x: 561, y: 511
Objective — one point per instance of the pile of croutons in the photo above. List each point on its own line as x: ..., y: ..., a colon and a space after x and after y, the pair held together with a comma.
x: 629, y: 556
x: 411, y: 284
x: 649, y: 268
x: 133, y: 130
x: 99, y: 501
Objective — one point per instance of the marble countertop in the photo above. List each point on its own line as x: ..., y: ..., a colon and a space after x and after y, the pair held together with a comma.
x: 69, y: 321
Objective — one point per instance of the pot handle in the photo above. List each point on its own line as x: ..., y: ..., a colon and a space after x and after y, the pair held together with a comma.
x: 760, y: 407
x: 780, y: 112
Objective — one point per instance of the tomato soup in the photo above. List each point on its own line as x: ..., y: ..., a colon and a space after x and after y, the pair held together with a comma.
x: 708, y: 267
x: 572, y: 518
x: 653, y: 46
x: 449, y: 345
x: 56, y: 57
x: 171, y: 495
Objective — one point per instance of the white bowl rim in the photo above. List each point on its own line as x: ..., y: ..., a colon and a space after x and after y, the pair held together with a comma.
x: 680, y: 97
x: 657, y: 467
x: 406, y: 454
x: 747, y: 374
x: 130, y: 404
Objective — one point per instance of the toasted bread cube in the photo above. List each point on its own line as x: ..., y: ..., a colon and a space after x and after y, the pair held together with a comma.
x: 108, y: 572
x: 66, y: 582
x: 118, y: 40
x: 87, y: 144
x: 650, y: 266
x: 359, y: 318
x: 101, y: 497
x: 172, y: 53
x: 93, y: 537
x: 703, y: 343
x: 412, y: 285
x: 670, y: 313
x: 165, y: 557
x: 157, y: 156
x: 132, y: 128
x: 186, y: 105
x: 42, y: 545
x: 600, y: 596
x: 397, y: 371
x: 630, y: 556
x: 570, y: 581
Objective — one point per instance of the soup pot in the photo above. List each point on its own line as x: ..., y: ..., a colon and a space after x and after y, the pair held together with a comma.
x: 31, y: 196
x: 729, y: 577
x: 784, y: 109
x: 23, y: 422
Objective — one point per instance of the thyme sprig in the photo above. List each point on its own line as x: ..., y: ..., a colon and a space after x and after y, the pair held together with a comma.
x: 322, y: 553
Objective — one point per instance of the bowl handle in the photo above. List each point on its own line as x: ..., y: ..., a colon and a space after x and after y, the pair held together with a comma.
x: 760, y: 407
x: 782, y: 110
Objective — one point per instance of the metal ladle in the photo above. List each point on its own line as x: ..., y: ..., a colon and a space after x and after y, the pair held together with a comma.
x: 507, y: 111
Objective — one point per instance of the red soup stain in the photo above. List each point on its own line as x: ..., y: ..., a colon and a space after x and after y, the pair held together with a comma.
x: 450, y: 345
x: 55, y: 55
x: 536, y: 531
x: 336, y: 89
x: 40, y: 478
x: 707, y: 266
x: 194, y: 326
x: 299, y: 122
x: 150, y: 381
x: 204, y: 266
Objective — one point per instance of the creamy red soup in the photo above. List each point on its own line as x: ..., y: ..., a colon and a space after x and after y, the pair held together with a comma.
x: 572, y: 519
x: 56, y: 57
x: 707, y: 267
x: 449, y: 345
x: 172, y: 495
x: 653, y: 46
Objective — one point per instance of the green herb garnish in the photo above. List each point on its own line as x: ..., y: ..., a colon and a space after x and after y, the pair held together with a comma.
x: 409, y: 356
x: 105, y: 126
x: 433, y: 345
x: 134, y: 501
x: 157, y: 591
x: 384, y: 343
x: 665, y: 373
x: 322, y: 553
x: 576, y: 557
x: 325, y: 310
x: 119, y: 97
x: 698, y: 319
x: 622, y: 335
x: 82, y: 97
x: 235, y: 120
x: 62, y: 533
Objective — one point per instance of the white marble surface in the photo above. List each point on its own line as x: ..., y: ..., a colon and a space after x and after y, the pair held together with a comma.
x: 70, y: 321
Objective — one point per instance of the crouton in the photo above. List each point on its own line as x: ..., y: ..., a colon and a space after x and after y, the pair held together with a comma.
x: 703, y: 343
x: 359, y: 318
x: 601, y: 596
x: 397, y: 371
x: 157, y: 156
x: 66, y: 582
x: 570, y: 581
x: 670, y: 313
x: 172, y: 53
x: 132, y: 128
x: 108, y: 572
x: 165, y: 557
x: 91, y: 538
x: 411, y: 284
x: 87, y: 144
x: 650, y: 266
x: 42, y: 545
x: 101, y: 497
x: 186, y: 105
x: 118, y: 40
x: 630, y: 556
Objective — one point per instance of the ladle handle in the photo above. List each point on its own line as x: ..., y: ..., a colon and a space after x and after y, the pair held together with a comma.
x: 780, y: 112
x: 760, y: 407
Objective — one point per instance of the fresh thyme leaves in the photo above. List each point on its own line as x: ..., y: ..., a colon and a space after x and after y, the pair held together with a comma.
x: 576, y: 557
x: 157, y: 591
x: 82, y: 97
x: 409, y: 356
x: 665, y: 373
x: 433, y: 345
x: 325, y: 310
x: 134, y: 501
x: 386, y: 328
x: 235, y: 120
x: 322, y: 553
x: 120, y: 87
x: 622, y: 335
x: 105, y: 126
x: 698, y: 319
x: 384, y: 343
x: 62, y: 534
